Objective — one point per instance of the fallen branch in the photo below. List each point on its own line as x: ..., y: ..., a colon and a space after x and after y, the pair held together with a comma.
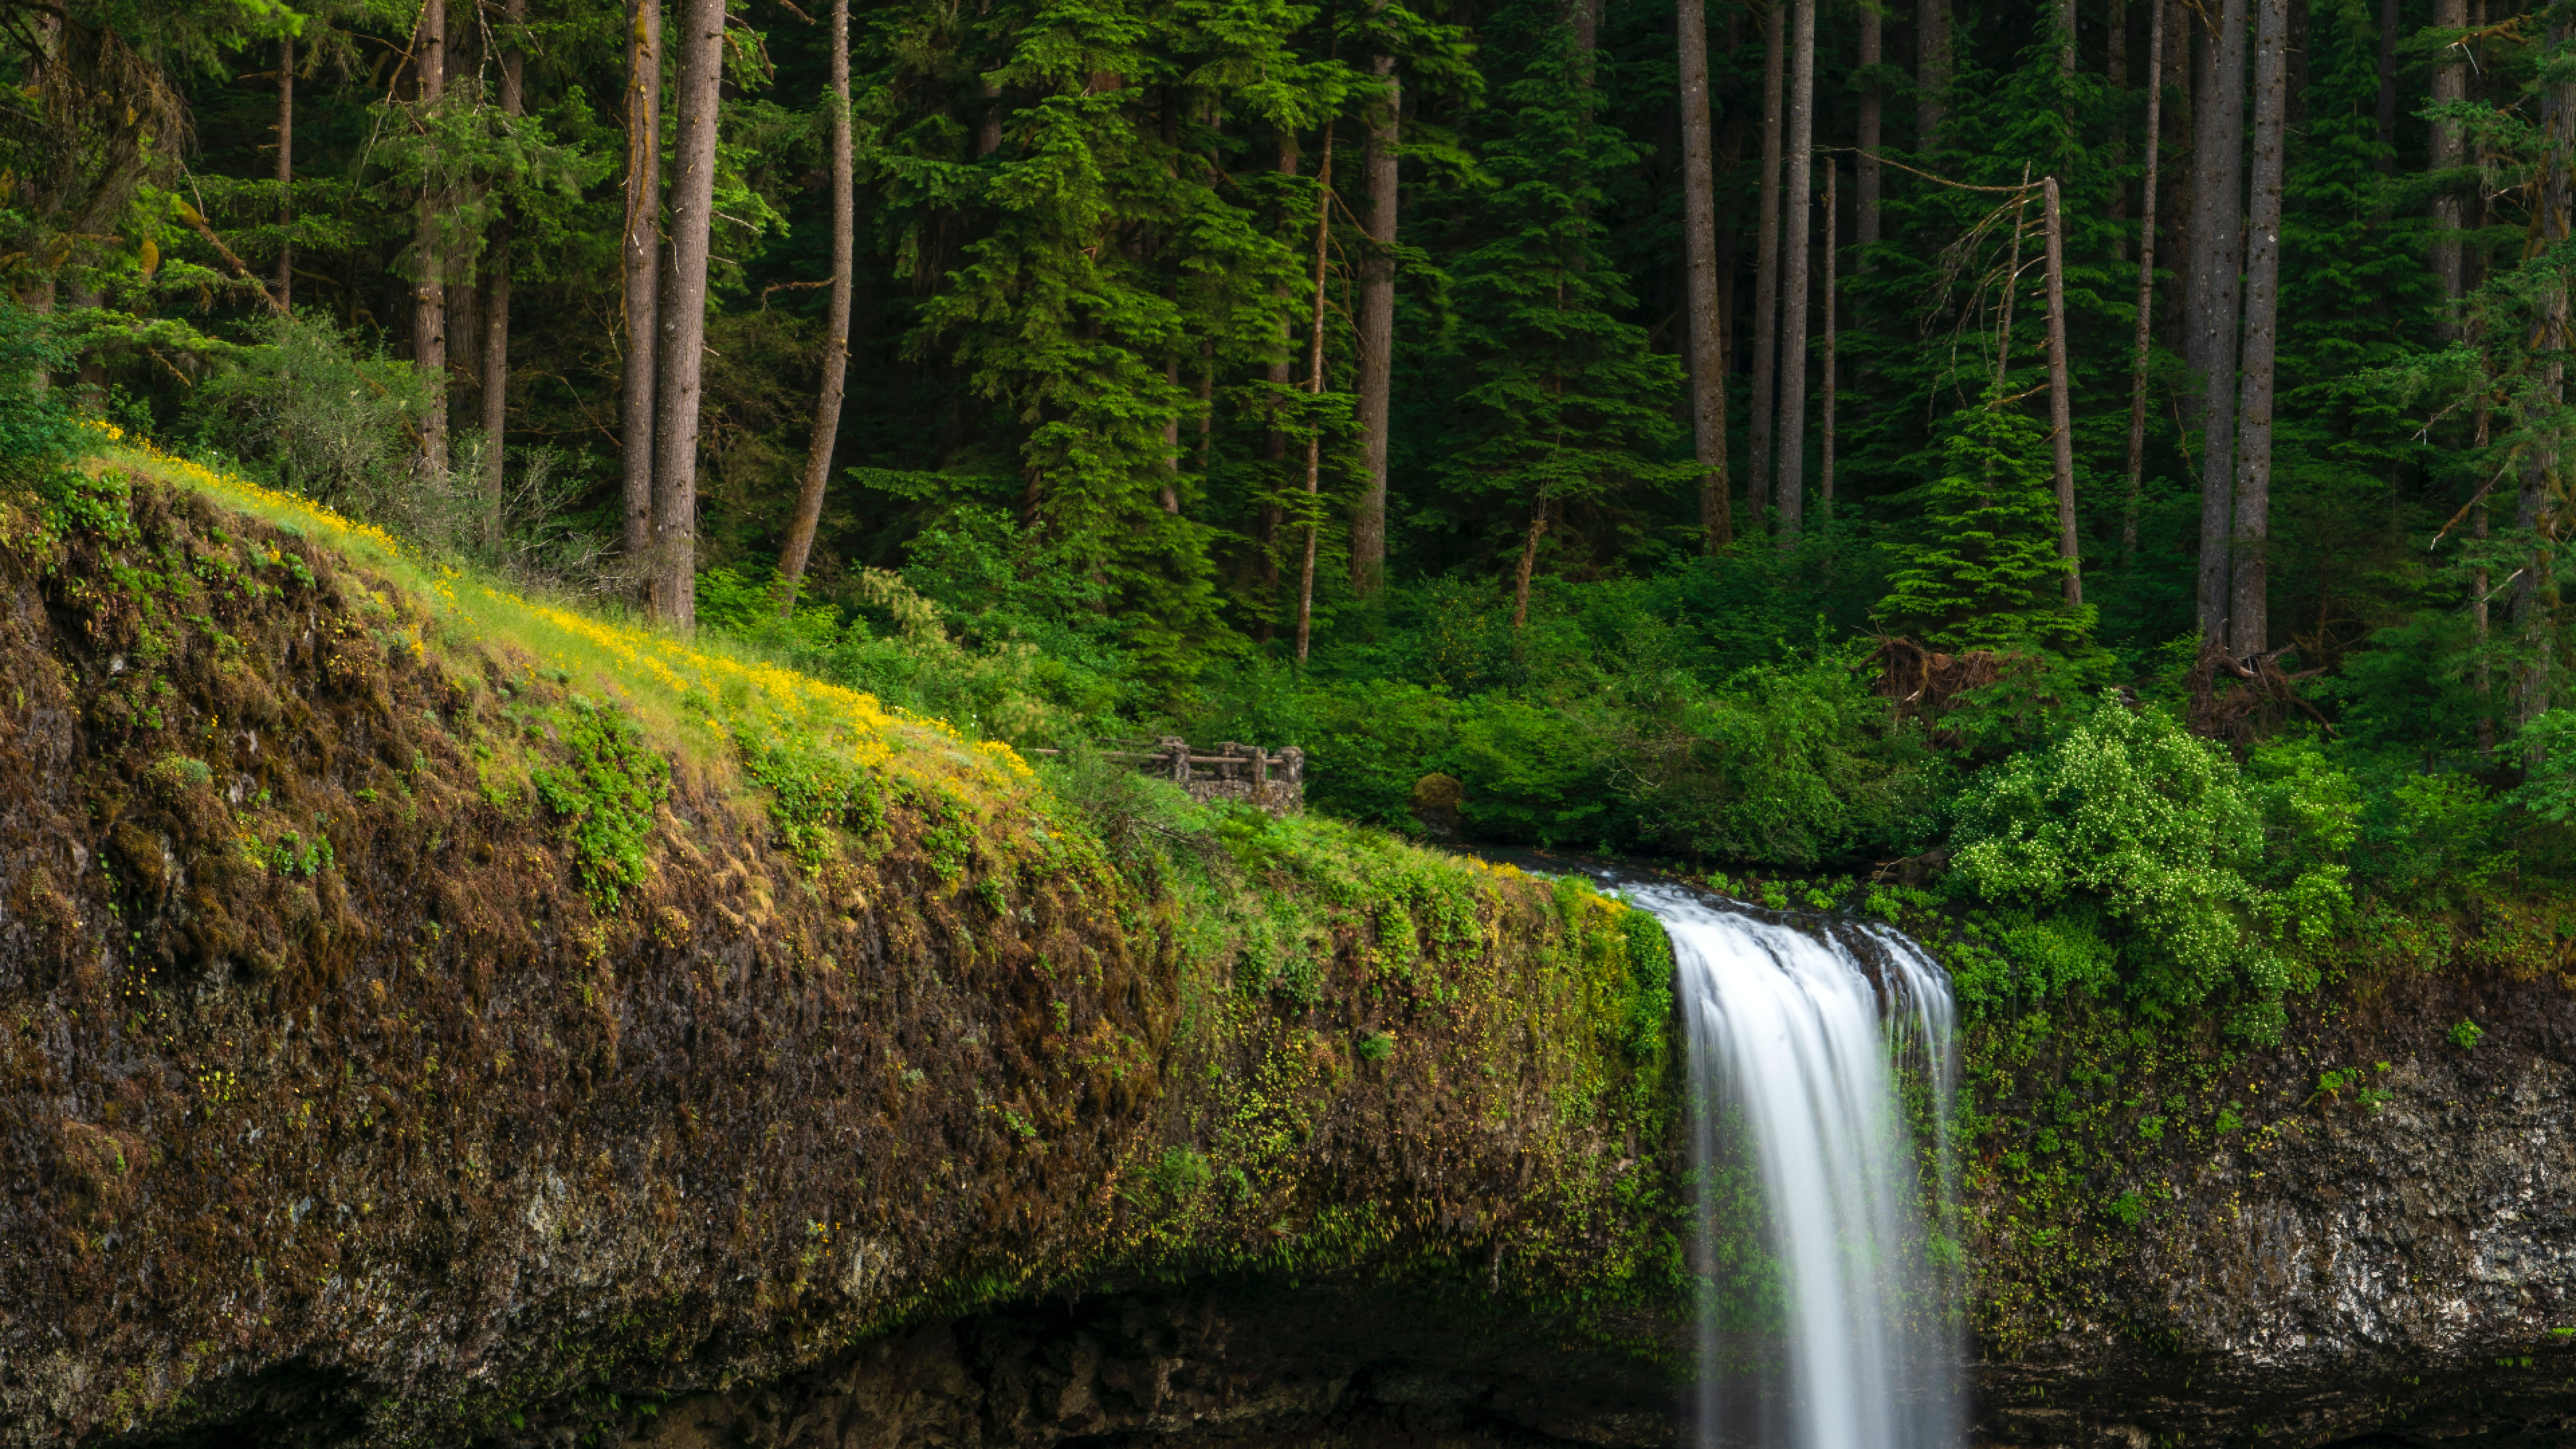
x: 188, y: 215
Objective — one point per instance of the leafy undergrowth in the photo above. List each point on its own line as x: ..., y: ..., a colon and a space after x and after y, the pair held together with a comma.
x: 473, y: 1010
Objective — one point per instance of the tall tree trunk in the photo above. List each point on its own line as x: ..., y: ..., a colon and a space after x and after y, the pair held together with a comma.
x: 2535, y: 595
x: 285, y: 171
x: 1207, y: 403
x: 2183, y: 41
x: 1171, y: 491
x: 1377, y: 332
x: 836, y: 325
x: 2115, y: 70
x: 2249, y: 622
x: 1705, y: 348
x: 2066, y: 39
x: 2217, y: 247
x: 1274, y: 443
x: 640, y: 262
x: 1868, y: 125
x: 2387, y: 131
x: 1315, y: 388
x: 1789, y: 493
x: 1931, y: 72
x: 2450, y: 84
x: 496, y: 295
x: 2011, y: 287
x: 1829, y: 300
x: 2146, y: 287
x: 1766, y: 264
x: 672, y: 601
x: 2482, y: 677
x: 429, y: 287
x: 2061, y: 406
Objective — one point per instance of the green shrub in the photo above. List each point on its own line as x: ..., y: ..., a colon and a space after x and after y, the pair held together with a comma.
x: 606, y: 796
x: 1787, y: 765
x: 1366, y: 744
x: 988, y: 678
x: 2548, y: 788
x: 2129, y: 815
x: 38, y: 433
x: 2421, y: 834
x: 311, y: 413
x: 812, y: 792
x: 1536, y: 773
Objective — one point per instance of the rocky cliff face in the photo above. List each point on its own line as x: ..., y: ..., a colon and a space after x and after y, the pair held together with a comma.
x: 2367, y: 1235
x: 2388, y: 1261
x: 1220, y: 1363
x: 398, y: 1044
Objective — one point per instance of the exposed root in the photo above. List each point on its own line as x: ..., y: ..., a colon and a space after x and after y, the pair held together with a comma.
x: 2242, y: 700
x: 1923, y: 681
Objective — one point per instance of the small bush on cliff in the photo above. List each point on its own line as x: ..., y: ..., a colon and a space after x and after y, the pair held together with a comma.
x: 606, y: 795
x: 812, y: 791
x: 2208, y: 878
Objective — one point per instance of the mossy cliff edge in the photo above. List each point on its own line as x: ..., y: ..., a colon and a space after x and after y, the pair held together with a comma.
x: 404, y: 1037
x: 430, y: 1016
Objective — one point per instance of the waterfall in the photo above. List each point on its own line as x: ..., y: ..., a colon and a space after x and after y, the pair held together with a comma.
x: 1828, y: 1316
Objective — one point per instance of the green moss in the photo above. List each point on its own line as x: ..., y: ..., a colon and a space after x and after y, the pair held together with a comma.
x: 814, y: 793
x: 604, y: 796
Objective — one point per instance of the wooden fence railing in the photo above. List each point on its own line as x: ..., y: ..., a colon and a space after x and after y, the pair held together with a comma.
x: 1227, y: 770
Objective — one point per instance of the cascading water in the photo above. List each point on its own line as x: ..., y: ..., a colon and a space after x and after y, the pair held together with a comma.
x: 1828, y: 1321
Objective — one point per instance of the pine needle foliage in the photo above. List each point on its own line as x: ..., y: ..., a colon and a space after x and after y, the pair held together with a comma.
x: 1563, y: 404
x: 1983, y: 571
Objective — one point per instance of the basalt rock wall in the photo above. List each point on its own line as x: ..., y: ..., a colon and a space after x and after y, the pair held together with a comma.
x: 356, y: 1089
x: 2366, y: 1235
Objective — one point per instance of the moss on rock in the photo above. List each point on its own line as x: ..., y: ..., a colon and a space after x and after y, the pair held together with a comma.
x: 395, y: 1030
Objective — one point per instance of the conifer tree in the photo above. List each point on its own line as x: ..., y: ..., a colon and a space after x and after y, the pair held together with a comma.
x: 1983, y: 571
x: 2217, y: 259
x: 1379, y: 177
x: 836, y: 324
x: 1565, y: 405
x: 1707, y: 346
x: 1790, y: 491
x: 2250, y: 531
x: 671, y: 595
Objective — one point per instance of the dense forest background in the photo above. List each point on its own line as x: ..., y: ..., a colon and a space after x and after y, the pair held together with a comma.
x: 1794, y: 434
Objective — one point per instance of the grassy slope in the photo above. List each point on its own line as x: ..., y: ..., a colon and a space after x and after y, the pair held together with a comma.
x: 486, y: 1007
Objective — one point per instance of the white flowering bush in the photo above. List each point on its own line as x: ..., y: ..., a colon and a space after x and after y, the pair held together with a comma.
x: 2206, y: 878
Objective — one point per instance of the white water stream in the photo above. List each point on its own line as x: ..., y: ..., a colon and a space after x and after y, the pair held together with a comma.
x: 1828, y: 1319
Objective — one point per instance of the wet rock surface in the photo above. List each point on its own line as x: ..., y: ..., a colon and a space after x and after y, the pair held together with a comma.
x: 2390, y: 1261
x: 1236, y: 1363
